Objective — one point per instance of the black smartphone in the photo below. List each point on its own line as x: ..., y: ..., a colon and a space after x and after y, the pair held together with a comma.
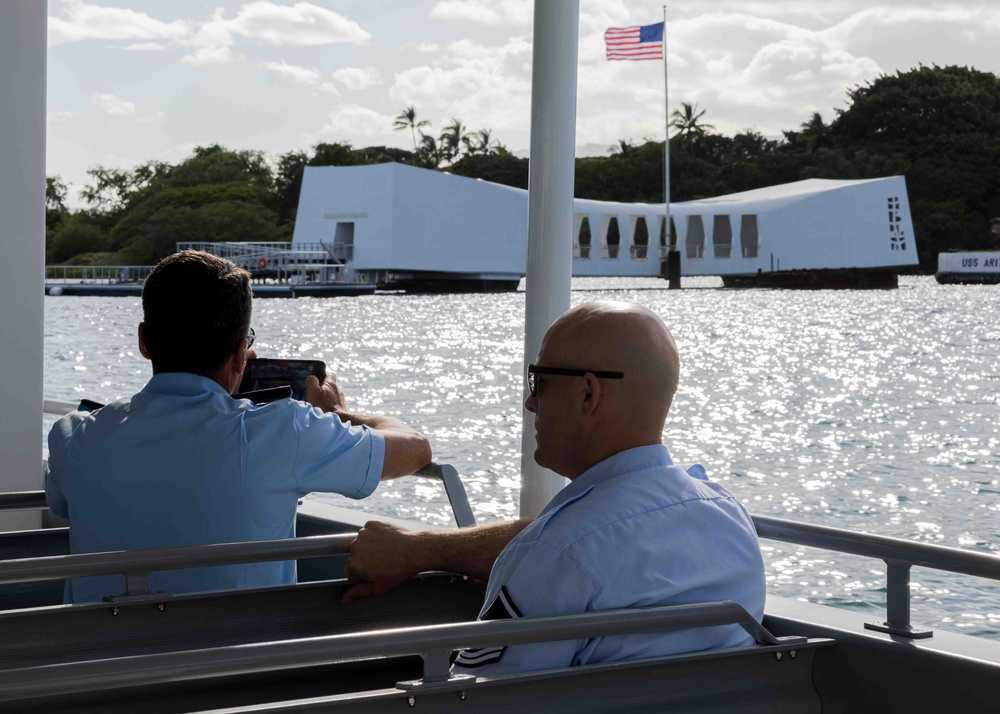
x: 270, y: 373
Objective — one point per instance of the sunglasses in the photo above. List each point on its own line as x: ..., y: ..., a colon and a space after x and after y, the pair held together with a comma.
x: 534, y: 369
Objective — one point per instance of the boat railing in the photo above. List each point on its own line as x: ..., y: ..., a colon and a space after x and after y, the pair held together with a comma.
x: 136, y: 565
x: 899, y: 556
x: 434, y: 644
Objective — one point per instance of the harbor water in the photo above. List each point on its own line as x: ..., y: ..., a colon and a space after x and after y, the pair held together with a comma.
x: 871, y: 410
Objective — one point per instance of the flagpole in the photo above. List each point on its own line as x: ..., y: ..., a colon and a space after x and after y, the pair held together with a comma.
x: 673, y: 256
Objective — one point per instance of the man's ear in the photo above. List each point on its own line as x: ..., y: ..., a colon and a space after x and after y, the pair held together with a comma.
x: 142, y: 342
x: 238, y: 360
x: 592, y: 394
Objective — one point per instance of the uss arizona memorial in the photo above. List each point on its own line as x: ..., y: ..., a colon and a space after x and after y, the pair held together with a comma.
x: 417, y: 227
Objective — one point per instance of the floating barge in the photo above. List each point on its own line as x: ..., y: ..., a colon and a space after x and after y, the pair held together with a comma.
x: 968, y: 268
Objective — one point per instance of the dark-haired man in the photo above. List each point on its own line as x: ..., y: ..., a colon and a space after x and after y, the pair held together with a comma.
x: 182, y: 463
x: 631, y: 529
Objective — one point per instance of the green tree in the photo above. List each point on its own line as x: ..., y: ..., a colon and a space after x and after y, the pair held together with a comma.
x: 206, y: 213
x: 690, y: 128
x: 453, y: 138
x: 623, y: 149
x: 288, y: 183
x: 429, y: 152
x: 407, y: 119
x: 482, y: 143
x: 217, y: 165
x: 56, y: 192
x: 503, y: 168
x: 939, y: 127
x: 76, y: 234
x: 112, y: 190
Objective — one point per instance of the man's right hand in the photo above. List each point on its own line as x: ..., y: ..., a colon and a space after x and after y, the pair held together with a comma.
x: 383, y: 557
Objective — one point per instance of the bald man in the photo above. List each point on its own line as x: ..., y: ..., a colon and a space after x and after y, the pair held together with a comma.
x: 631, y: 529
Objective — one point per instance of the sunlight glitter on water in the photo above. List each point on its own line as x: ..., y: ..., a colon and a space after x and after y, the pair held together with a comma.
x: 871, y: 410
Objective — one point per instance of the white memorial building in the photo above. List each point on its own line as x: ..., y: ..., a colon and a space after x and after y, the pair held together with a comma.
x: 417, y: 224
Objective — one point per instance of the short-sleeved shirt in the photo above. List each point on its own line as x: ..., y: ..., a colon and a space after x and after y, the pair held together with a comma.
x: 632, y: 531
x: 182, y: 463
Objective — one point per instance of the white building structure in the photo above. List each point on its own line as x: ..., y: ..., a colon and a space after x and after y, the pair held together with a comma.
x: 417, y: 223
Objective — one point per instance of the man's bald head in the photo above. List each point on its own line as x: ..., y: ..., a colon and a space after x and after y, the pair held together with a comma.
x: 619, y: 336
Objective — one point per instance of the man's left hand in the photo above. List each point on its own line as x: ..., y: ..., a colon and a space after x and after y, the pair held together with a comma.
x: 326, y: 396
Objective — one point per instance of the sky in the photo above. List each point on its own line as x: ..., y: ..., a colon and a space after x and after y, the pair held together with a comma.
x: 131, y: 81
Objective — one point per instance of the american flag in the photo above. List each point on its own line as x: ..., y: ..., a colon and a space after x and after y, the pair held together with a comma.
x: 635, y: 43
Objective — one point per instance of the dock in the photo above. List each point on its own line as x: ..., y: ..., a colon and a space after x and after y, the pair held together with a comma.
x: 276, y: 270
x: 259, y: 291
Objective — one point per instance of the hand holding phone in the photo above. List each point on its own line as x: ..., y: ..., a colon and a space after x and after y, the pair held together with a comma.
x: 326, y: 395
x: 263, y: 373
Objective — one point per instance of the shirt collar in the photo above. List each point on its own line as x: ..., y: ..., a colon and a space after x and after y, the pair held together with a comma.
x: 636, y: 459
x: 183, y: 384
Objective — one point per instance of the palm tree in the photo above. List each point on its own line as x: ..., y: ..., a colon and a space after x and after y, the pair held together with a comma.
x: 481, y: 142
x: 429, y: 152
x: 624, y: 149
x: 688, y: 123
x: 452, y: 138
x: 408, y: 120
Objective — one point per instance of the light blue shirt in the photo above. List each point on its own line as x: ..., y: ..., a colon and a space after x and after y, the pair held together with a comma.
x: 633, y: 531
x: 183, y: 463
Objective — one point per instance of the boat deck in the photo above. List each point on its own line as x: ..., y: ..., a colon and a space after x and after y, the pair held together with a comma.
x: 296, y: 648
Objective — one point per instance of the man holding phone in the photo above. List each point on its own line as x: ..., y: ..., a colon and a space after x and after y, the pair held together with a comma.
x: 183, y: 463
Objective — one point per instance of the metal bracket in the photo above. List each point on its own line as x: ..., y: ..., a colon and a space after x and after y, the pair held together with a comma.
x: 157, y: 597
x: 411, y: 685
x: 137, y: 590
x: 437, y: 673
x: 897, y: 629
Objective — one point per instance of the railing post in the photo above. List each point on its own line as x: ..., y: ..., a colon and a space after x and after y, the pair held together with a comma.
x: 897, y: 603
x: 897, y: 593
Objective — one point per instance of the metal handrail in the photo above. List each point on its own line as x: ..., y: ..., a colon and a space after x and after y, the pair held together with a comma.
x: 22, y: 500
x: 886, y: 548
x: 135, y: 563
x: 434, y: 643
x: 899, y: 556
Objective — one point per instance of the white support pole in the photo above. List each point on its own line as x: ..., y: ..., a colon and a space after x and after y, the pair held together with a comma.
x: 666, y: 136
x: 22, y: 240
x: 550, y: 208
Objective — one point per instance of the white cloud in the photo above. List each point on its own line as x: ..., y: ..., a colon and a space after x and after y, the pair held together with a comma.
x: 306, y: 76
x: 429, y: 48
x: 355, y: 120
x: 299, y: 75
x: 485, y: 12
x: 116, y: 106
x: 212, y: 42
x: 358, y: 77
x: 113, y: 105
x: 81, y: 21
x: 53, y: 118
x: 208, y: 55
x: 299, y: 24
x: 483, y: 86
x: 146, y: 47
x: 302, y: 24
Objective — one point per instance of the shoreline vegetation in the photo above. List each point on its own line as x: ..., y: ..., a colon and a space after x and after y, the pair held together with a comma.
x: 937, y: 126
